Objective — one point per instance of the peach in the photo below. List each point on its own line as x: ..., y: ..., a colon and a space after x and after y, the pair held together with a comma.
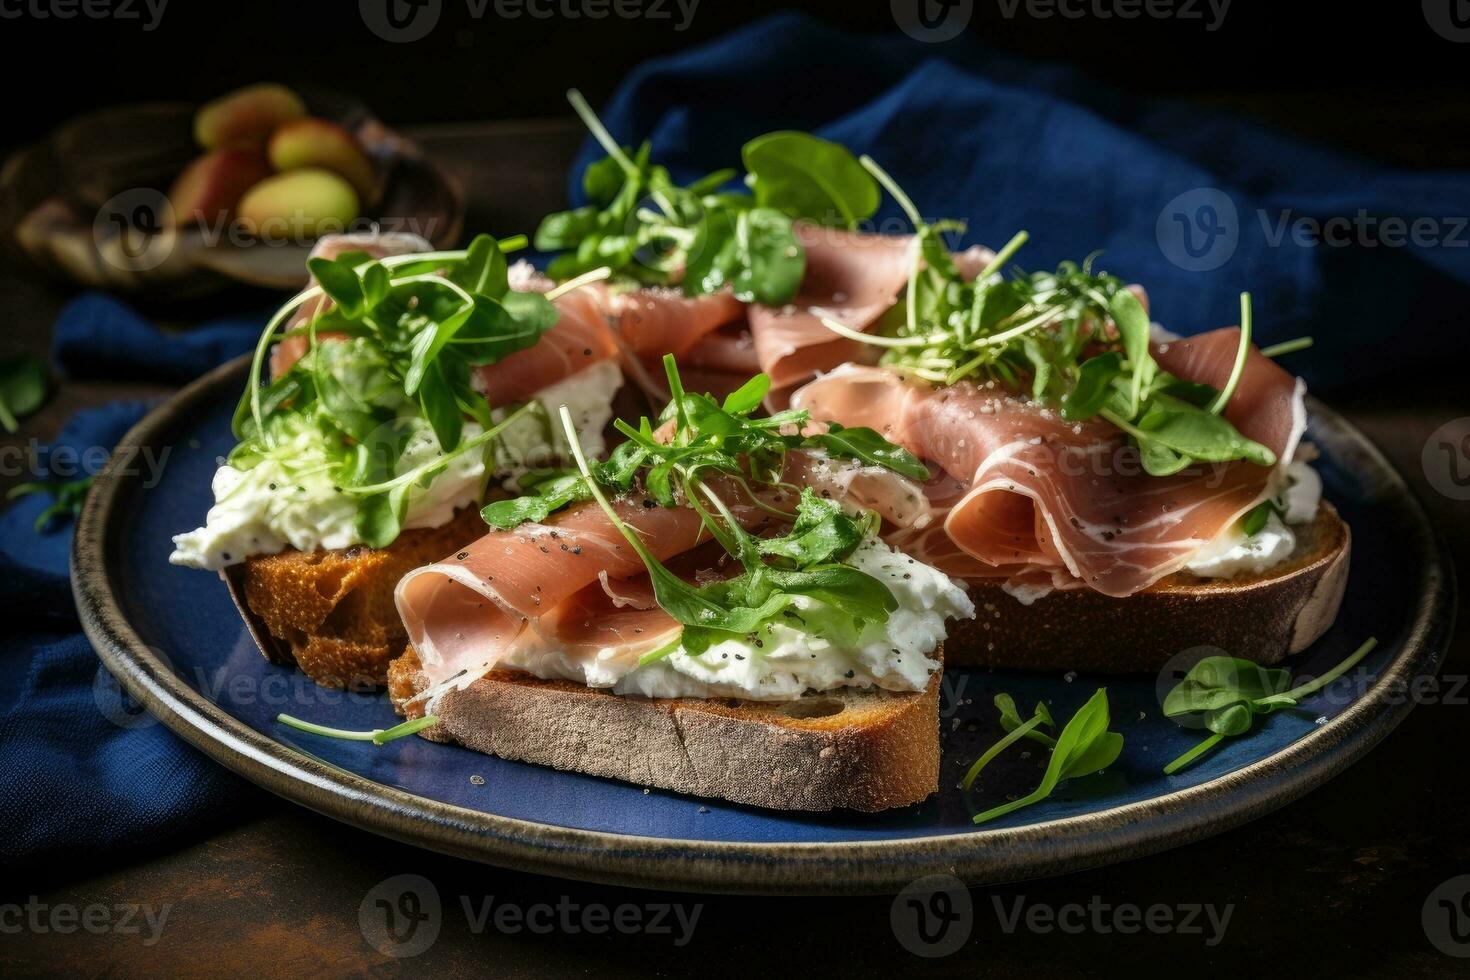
x: 209, y: 188
x: 298, y: 204
x: 245, y: 118
x: 313, y: 142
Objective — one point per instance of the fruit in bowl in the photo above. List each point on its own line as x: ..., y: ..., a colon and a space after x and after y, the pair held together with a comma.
x: 173, y: 201
x: 283, y: 174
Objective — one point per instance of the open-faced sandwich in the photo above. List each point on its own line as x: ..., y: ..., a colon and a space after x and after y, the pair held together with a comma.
x: 1111, y: 494
x: 709, y: 610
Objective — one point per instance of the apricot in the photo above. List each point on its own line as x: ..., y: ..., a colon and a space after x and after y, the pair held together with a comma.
x: 209, y: 188
x: 298, y: 204
x: 313, y: 142
x: 245, y: 118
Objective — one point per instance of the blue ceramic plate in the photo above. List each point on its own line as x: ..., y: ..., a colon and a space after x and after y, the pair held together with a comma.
x: 174, y: 639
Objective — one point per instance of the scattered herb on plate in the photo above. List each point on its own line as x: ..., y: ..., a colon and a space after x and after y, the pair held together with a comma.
x: 378, y: 736
x: 23, y: 388
x: 1083, y: 747
x: 1228, y: 693
x: 67, y: 499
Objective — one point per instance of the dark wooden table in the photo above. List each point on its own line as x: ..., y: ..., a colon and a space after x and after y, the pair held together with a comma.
x: 1331, y: 885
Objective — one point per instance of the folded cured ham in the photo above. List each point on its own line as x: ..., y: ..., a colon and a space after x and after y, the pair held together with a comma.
x: 852, y: 278
x: 571, y: 597
x: 1037, y: 493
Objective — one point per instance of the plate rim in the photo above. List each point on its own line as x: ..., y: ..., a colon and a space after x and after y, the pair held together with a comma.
x: 978, y: 857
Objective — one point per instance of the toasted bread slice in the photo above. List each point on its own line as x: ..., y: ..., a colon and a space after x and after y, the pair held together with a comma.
x: 1258, y: 617
x: 861, y: 749
x: 331, y: 613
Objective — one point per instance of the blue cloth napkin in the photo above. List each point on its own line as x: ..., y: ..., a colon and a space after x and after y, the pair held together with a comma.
x: 88, y: 775
x: 97, y: 336
x: 1196, y: 205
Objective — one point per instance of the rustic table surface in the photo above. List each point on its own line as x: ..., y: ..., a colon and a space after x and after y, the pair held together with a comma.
x: 1332, y: 884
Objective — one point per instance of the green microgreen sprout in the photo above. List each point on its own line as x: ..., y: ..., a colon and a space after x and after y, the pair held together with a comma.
x: 1084, y: 746
x: 378, y: 736
x: 1229, y: 692
x: 67, y: 499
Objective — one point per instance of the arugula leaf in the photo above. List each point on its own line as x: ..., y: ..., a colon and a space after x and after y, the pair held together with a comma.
x: 1201, y: 435
x: 340, y: 282
x: 1010, y: 718
x: 770, y: 260
x: 822, y: 533
x: 67, y: 499
x: 868, y: 446
x: 804, y: 176
x: 483, y: 271
x: 1228, y: 693
x: 23, y: 389
x: 551, y: 495
x: 748, y: 397
x: 1095, y: 378
x: 1084, y: 746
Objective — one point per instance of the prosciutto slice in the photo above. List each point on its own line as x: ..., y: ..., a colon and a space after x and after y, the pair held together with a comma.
x: 851, y: 277
x: 1029, y: 493
x: 574, y: 584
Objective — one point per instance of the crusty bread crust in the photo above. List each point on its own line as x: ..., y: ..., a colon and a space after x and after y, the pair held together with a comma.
x: 1262, y: 618
x: 857, y: 749
x: 331, y: 613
